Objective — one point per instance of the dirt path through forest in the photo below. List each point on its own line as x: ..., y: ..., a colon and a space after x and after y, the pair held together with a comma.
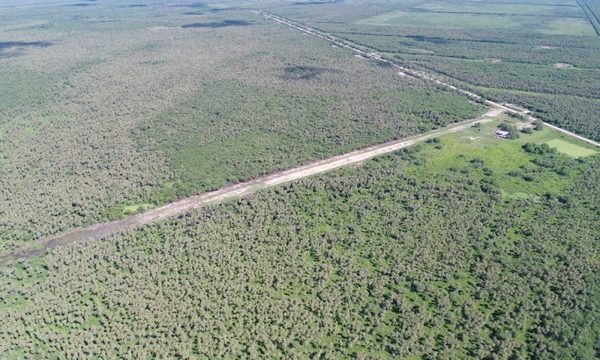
x: 103, y: 230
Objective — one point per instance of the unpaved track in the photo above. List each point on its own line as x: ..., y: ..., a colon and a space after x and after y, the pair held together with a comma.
x: 103, y: 230
x: 418, y: 74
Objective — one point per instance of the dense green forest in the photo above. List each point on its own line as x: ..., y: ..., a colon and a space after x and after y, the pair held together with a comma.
x: 524, y: 77
x: 456, y: 248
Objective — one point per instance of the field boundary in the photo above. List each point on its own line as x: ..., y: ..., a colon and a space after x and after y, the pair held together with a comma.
x: 417, y: 10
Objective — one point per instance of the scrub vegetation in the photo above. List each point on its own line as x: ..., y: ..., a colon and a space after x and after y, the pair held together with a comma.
x: 230, y: 131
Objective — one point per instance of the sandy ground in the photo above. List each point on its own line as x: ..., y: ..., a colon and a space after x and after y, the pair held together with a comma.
x: 563, y: 66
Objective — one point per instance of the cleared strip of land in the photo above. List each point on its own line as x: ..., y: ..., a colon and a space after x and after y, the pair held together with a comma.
x: 103, y: 230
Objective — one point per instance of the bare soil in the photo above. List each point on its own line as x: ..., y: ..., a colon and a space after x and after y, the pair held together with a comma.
x: 355, y: 158
x: 563, y: 66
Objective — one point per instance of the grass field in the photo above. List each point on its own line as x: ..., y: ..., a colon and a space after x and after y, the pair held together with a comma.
x: 503, y: 8
x: 570, y: 149
x: 513, y: 23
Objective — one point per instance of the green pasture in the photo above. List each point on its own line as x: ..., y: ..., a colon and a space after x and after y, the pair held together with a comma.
x: 502, y: 8
x: 513, y: 23
x: 135, y: 208
x: 570, y: 149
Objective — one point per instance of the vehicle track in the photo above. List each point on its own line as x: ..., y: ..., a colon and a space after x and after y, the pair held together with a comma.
x: 590, y: 15
x: 103, y: 230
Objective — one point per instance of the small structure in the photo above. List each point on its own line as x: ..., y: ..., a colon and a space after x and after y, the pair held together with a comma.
x: 503, y: 134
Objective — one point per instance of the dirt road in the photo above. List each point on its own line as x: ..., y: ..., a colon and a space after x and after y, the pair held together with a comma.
x: 103, y: 230
x: 411, y: 72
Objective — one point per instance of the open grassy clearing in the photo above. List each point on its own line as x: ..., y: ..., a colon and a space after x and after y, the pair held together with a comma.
x: 500, y: 8
x: 511, y: 166
x: 570, y: 112
x: 135, y: 208
x: 566, y: 26
x: 513, y: 23
x: 570, y: 149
